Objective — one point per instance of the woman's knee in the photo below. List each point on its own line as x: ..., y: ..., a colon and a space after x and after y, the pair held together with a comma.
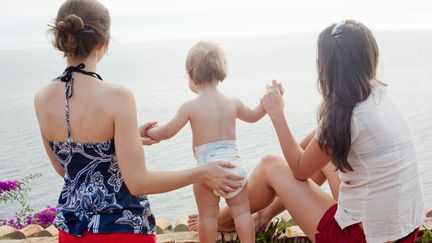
x: 273, y: 163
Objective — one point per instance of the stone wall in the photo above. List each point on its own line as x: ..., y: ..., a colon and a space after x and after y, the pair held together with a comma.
x: 166, y: 232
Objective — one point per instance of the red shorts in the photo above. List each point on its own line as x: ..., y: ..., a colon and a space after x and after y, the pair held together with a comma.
x: 330, y: 231
x: 106, y: 238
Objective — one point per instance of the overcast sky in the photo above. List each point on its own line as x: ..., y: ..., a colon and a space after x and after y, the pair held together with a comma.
x: 23, y: 23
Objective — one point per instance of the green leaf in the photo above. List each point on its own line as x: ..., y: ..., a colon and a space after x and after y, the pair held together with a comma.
x: 427, y: 235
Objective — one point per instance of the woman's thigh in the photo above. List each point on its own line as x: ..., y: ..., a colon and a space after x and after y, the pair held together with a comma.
x: 304, y: 200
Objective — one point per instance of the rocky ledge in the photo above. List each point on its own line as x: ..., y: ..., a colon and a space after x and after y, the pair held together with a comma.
x: 166, y: 232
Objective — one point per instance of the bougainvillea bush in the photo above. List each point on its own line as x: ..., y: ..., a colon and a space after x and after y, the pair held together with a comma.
x: 15, y: 191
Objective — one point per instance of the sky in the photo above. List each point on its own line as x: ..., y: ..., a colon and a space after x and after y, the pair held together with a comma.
x: 23, y: 23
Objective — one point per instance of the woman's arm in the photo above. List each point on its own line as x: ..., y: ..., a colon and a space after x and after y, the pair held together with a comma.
x: 138, y: 178
x: 170, y: 129
x: 52, y: 158
x: 246, y: 114
x: 304, y: 163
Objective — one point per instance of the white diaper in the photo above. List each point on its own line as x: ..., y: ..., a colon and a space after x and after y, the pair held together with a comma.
x: 223, y: 150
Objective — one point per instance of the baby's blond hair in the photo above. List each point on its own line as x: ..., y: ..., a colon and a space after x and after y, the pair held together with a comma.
x: 206, y: 62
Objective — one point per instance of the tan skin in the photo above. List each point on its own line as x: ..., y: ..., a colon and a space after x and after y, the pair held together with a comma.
x: 92, y: 121
x: 210, y: 108
x: 212, y: 116
x: 265, y: 210
x: 291, y: 182
x: 303, y: 164
x: 276, y: 180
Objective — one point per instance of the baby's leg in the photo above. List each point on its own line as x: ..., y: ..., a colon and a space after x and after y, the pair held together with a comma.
x: 240, y: 211
x: 208, y: 209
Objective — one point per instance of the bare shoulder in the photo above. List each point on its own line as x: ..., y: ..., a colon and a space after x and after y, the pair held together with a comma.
x: 190, y: 104
x: 235, y: 100
x: 117, y: 96
x: 45, y: 94
x: 117, y: 91
x: 237, y: 103
x: 187, y: 108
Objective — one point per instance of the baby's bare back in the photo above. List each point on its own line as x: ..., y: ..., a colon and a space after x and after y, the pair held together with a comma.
x: 212, y: 117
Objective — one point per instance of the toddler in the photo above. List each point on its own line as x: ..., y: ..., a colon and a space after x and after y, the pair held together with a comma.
x: 212, y: 116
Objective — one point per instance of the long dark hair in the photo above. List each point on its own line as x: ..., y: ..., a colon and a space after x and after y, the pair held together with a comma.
x: 347, y: 62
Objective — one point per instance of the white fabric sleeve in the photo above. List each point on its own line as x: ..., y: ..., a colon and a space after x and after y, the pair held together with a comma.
x: 355, y: 130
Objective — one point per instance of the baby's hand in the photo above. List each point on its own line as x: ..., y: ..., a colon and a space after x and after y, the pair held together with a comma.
x: 145, y: 139
x: 279, y: 86
x: 143, y: 128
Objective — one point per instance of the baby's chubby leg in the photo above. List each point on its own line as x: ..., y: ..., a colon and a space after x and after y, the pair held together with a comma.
x: 240, y: 211
x: 208, y: 209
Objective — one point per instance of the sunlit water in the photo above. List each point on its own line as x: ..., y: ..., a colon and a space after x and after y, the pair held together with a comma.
x: 155, y: 73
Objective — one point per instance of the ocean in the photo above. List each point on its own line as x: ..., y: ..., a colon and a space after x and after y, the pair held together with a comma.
x: 154, y: 71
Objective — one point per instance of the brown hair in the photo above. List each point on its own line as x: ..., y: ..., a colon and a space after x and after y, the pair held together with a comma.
x: 80, y: 26
x: 206, y: 62
x: 347, y: 62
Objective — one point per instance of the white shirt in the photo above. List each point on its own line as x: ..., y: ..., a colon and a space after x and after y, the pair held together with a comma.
x: 384, y: 190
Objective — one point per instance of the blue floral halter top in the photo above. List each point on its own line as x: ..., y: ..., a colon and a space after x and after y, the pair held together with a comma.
x: 94, y: 196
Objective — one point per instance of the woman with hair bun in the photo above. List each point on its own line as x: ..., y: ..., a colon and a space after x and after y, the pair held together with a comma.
x: 90, y: 133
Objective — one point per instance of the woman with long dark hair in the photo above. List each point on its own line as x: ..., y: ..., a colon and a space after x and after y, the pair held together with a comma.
x: 362, y: 134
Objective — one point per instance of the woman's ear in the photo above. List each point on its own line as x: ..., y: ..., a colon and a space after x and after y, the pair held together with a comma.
x: 100, y: 50
x: 101, y: 47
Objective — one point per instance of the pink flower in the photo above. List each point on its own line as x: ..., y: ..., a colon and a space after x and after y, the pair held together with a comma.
x: 11, y: 185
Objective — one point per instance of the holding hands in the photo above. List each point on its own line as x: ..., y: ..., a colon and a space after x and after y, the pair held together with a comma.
x: 146, y: 140
x: 272, y: 101
x: 215, y: 175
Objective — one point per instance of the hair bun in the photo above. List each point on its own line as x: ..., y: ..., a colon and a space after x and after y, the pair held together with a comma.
x: 70, y: 33
x: 71, y: 24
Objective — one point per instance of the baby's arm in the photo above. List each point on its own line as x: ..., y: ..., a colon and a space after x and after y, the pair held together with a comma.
x: 246, y: 114
x: 170, y: 129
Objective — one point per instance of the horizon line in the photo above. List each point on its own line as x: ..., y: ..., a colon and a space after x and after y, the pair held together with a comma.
x: 168, y: 39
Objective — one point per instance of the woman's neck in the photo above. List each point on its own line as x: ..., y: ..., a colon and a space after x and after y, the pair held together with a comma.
x: 89, y: 62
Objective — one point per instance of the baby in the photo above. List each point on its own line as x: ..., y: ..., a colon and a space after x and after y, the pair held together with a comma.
x: 212, y: 116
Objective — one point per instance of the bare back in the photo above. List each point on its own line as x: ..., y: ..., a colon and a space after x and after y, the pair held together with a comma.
x: 212, y: 117
x: 90, y: 111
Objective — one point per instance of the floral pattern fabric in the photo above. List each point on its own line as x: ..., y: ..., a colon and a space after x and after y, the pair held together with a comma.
x: 94, y: 196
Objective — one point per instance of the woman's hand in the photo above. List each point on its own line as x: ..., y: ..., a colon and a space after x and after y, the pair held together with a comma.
x: 219, y: 179
x: 145, y: 140
x: 272, y: 101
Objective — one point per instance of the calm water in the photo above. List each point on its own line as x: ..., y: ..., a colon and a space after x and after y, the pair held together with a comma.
x: 155, y: 72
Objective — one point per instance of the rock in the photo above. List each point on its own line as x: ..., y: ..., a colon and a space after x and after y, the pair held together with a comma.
x: 295, y: 231
x: 181, y: 225
x: 8, y: 232
x: 53, y: 230
x: 163, y: 225
x: 286, y: 218
x: 47, y: 232
x: 38, y: 240
x: 294, y: 234
x: 429, y: 211
x: 31, y: 229
x: 184, y: 237
x: 427, y: 223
